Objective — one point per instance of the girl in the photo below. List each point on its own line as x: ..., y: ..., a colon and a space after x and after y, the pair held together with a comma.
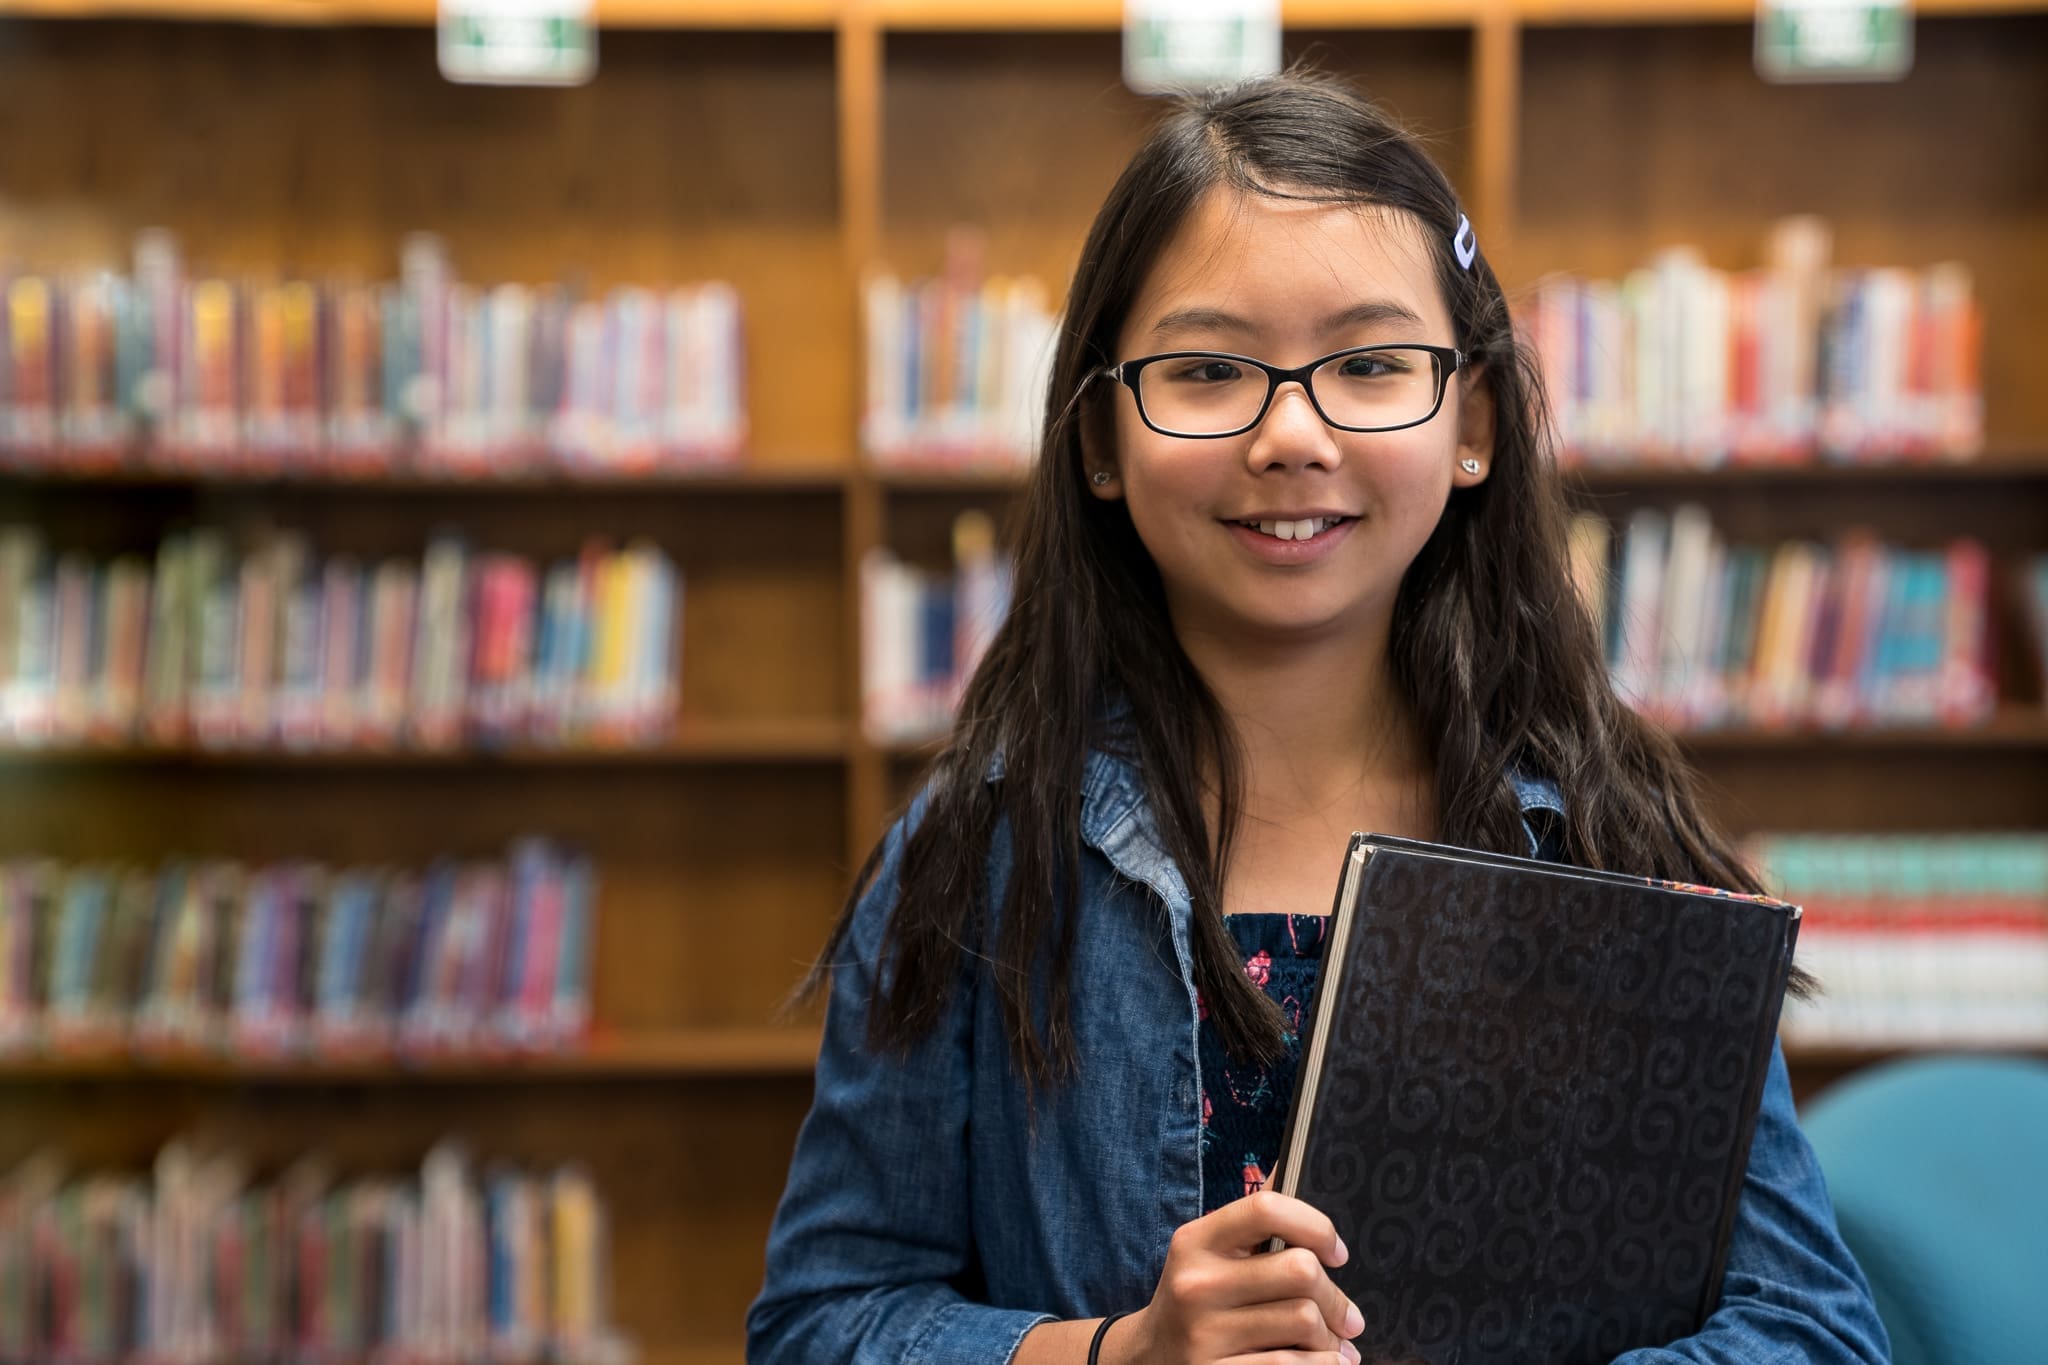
x: 1291, y: 565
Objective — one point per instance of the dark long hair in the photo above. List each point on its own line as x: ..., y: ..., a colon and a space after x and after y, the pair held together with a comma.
x: 1491, y: 646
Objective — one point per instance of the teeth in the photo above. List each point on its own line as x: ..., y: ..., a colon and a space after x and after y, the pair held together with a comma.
x: 1295, y: 530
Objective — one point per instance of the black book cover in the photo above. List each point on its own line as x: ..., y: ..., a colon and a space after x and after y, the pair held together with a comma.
x: 1526, y: 1098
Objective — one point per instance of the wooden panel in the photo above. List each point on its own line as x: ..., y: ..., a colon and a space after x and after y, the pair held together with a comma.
x: 678, y: 14
x: 1877, y: 789
x: 1013, y: 15
x: 1019, y: 135
x: 1632, y: 139
x: 920, y: 525
x: 2009, y: 517
x: 691, y: 1172
x: 1742, y: 12
x: 708, y: 155
x: 1022, y: 135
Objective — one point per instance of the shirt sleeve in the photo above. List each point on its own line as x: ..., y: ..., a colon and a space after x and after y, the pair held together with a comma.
x: 1792, y: 1295
x: 871, y: 1240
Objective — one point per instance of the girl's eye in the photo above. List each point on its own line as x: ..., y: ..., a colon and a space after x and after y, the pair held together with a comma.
x: 1371, y: 366
x: 1208, y: 372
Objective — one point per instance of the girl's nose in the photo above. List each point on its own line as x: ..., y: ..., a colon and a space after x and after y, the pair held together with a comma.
x: 1292, y: 435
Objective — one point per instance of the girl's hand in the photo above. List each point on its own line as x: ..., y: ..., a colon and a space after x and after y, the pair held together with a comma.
x: 1220, y: 1298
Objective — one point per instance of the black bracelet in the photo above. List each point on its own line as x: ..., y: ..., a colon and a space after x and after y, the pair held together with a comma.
x: 1095, y: 1346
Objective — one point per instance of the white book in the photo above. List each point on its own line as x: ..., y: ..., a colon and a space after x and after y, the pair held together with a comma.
x: 1642, y: 593
x: 883, y: 432
x: 1687, y: 587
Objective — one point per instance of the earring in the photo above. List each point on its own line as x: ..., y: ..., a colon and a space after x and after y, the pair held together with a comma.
x: 1101, y: 477
x: 1469, y: 466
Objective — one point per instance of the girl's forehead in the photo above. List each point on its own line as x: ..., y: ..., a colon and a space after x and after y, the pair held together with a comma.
x: 1275, y: 262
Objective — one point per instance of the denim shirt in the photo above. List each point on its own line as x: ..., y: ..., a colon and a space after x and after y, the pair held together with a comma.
x: 924, y: 1222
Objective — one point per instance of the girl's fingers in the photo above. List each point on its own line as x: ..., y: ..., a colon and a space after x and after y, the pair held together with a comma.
x: 1247, y: 1224
x: 1292, y: 1274
x: 1287, y: 1325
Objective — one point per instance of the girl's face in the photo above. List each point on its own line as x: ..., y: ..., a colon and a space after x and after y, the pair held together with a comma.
x: 1289, y: 282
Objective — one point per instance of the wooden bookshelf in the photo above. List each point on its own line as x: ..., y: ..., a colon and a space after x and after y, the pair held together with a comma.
x: 770, y: 742
x: 674, y: 1055
x: 785, y: 145
x: 744, y: 479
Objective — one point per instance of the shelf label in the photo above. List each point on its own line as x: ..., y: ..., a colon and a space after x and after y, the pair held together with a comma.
x: 1172, y: 46
x: 1834, y: 40
x: 517, y: 42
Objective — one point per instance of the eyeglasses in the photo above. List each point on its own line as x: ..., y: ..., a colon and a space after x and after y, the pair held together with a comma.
x: 1214, y: 393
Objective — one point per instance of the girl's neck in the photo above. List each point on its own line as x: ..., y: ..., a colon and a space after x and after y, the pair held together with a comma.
x: 1320, y: 725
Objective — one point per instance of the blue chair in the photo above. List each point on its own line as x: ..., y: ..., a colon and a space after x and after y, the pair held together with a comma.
x: 1939, y: 1171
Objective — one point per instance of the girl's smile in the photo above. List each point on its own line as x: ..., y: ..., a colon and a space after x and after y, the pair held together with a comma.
x: 1291, y: 539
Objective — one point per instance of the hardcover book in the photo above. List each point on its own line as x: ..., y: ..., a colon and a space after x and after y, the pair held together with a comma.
x: 1526, y: 1098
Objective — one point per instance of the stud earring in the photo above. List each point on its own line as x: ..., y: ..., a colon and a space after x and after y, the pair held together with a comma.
x: 1469, y: 466
x: 1101, y: 477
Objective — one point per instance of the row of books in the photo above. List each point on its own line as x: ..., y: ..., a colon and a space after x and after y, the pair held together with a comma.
x: 1702, y: 633
x: 296, y: 959
x: 271, y: 646
x: 1917, y: 941
x: 1682, y: 363
x: 957, y: 364
x: 239, y: 375
x: 198, y: 1262
x: 923, y: 631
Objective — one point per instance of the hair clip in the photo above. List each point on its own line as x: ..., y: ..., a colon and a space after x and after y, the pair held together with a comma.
x: 1464, y: 243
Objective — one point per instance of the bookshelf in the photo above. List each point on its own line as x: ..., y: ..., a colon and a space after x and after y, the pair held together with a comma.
x: 783, y: 145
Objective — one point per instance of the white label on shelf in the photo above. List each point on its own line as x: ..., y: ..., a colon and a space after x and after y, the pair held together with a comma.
x: 517, y: 42
x: 1834, y: 40
x: 1176, y: 45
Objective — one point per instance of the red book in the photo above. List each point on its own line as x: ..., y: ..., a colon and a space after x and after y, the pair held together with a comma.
x: 1965, y: 693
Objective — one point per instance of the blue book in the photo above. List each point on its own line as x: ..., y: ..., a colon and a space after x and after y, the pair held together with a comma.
x: 935, y: 633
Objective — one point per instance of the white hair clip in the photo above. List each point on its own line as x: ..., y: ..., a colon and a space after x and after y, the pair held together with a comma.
x: 1465, y: 244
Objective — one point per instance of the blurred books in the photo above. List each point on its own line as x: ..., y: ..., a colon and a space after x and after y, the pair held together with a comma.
x: 296, y: 959
x: 261, y: 376
x: 199, y: 1262
x: 956, y: 366
x: 1702, y: 633
x: 923, y: 632
x: 1680, y: 363
x: 270, y: 647
x: 1917, y: 941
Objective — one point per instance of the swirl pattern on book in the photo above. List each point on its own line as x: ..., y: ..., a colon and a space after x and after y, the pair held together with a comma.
x: 1535, y: 1108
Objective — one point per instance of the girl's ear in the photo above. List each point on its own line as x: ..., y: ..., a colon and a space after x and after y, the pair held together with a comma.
x: 1098, y: 450
x: 1475, y: 428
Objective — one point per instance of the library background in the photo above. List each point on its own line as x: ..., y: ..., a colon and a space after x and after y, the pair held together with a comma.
x: 479, y: 565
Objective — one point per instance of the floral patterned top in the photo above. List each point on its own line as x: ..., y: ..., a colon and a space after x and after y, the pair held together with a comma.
x: 1244, y: 1108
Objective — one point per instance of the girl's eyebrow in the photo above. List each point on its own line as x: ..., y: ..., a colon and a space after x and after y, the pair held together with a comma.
x: 1368, y: 313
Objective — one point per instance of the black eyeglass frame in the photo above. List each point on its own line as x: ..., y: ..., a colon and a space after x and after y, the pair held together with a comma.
x: 1449, y: 360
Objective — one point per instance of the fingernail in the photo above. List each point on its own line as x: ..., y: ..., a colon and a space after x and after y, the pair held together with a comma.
x: 1343, y: 1253
x: 1354, y: 1321
x: 1348, y: 1351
